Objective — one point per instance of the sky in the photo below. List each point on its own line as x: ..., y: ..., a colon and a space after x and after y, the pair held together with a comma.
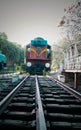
x: 24, y: 20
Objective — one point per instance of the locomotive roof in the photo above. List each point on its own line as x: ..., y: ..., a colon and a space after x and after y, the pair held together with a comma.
x: 39, y: 38
x: 39, y: 42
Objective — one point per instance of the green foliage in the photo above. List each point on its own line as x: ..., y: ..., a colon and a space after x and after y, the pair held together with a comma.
x: 58, y: 53
x: 3, y: 36
x: 44, y: 73
x: 13, y: 51
x: 18, y: 68
x: 78, y: 38
x: 57, y: 56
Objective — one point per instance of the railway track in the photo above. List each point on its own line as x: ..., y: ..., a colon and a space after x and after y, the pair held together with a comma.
x: 39, y: 103
x: 8, y: 86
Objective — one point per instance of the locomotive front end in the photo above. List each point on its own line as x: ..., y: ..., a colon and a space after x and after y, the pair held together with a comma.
x: 38, y: 56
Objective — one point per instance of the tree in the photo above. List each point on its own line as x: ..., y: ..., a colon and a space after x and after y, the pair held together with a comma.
x: 13, y: 51
x: 71, y: 21
x: 3, y: 36
x: 57, y: 55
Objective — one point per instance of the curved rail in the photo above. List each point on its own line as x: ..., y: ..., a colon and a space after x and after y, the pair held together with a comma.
x: 4, y: 103
x: 72, y: 91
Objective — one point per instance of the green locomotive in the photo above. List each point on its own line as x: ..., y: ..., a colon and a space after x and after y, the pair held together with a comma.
x: 2, y: 61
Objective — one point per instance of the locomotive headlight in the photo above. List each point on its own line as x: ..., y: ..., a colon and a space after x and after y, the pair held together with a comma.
x: 28, y: 64
x: 47, y: 65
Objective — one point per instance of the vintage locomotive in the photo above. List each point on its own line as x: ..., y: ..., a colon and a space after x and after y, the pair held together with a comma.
x: 38, y: 56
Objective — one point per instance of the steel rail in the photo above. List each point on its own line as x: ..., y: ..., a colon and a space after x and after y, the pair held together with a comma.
x: 41, y: 125
x: 67, y: 88
x: 4, y: 103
